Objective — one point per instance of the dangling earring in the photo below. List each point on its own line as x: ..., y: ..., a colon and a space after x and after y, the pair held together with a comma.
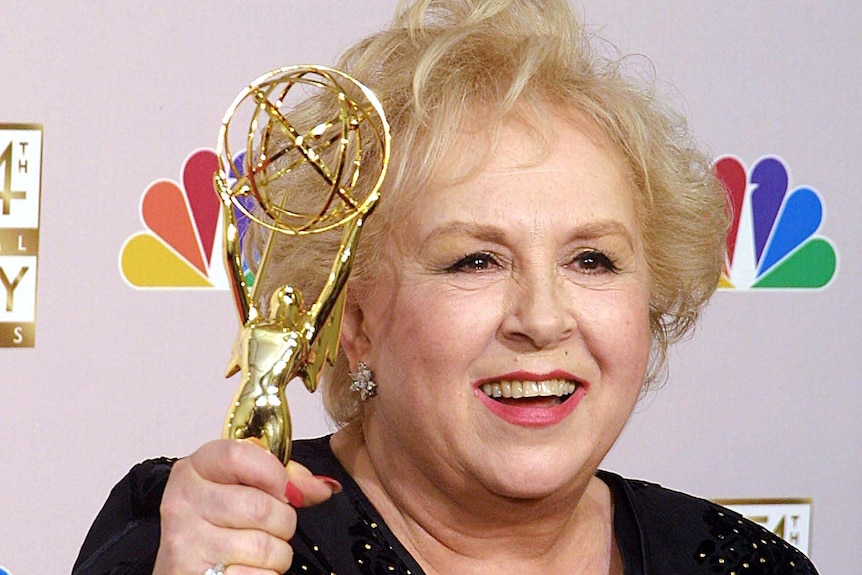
x: 363, y: 382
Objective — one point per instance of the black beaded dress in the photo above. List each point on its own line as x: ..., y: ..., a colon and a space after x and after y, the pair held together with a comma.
x: 659, y: 531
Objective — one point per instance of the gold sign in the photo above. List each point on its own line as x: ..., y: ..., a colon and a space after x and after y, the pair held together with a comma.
x: 301, y: 125
x: 20, y: 193
x: 789, y: 519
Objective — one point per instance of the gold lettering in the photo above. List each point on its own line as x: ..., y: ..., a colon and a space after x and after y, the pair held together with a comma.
x: 21, y: 247
x: 22, y: 166
x: 779, y: 529
x: 18, y: 334
x: 10, y: 286
x: 6, y: 192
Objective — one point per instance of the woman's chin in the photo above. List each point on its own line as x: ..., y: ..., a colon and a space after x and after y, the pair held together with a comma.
x: 535, y: 482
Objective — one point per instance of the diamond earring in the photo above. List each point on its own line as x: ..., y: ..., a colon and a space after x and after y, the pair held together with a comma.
x: 363, y: 382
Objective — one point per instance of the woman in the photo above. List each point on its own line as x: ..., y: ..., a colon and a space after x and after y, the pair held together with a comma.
x: 546, y: 233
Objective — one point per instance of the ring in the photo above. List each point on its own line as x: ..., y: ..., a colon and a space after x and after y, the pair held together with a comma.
x: 215, y: 570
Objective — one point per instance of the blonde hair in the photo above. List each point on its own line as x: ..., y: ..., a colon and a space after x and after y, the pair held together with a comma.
x: 441, y: 61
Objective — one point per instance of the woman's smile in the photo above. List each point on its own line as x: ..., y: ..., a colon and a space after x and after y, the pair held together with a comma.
x: 507, y: 389
x: 531, y: 400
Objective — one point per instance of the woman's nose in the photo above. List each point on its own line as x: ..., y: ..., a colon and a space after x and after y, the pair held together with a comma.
x: 540, y: 313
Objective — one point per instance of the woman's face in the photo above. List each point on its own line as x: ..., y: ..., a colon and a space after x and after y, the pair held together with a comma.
x: 509, y: 331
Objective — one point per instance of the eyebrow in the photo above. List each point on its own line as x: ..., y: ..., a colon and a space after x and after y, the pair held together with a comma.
x: 474, y: 230
x: 591, y: 230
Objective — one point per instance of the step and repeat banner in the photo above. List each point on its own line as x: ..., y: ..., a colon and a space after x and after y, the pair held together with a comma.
x: 116, y: 319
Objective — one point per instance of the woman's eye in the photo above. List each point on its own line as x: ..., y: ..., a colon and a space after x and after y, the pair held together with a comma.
x: 473, y: 263
x: 595, y: 262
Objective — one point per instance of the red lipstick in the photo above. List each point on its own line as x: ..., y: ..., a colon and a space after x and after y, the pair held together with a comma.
x: 527, y: 413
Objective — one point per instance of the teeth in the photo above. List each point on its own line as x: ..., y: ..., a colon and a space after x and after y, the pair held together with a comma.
x: 518, y: 389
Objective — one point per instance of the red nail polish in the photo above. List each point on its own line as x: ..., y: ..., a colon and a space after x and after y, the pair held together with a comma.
x: 333, y: 484
x: 293, y: 494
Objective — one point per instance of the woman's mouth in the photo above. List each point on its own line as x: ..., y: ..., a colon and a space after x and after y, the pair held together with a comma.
x: 532, y: 403
x: 558, y: 388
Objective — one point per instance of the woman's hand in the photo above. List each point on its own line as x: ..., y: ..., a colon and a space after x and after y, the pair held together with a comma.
x: 232, y: 502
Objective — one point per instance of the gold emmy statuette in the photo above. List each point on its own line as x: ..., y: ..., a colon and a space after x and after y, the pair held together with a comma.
x: 309, y: 126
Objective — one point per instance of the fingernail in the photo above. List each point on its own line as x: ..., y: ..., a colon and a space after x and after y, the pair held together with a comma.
x: 293, y: 494
x: 333, y: 484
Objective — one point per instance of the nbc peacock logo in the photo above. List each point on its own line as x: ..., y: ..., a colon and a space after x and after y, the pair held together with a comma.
x: 773, y: 241
x: 181, y: 246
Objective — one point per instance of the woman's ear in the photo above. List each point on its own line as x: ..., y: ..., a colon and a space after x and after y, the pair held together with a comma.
x: 354, y: 340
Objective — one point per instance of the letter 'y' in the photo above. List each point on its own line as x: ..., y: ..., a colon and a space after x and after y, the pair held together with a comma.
x: 10, y: 286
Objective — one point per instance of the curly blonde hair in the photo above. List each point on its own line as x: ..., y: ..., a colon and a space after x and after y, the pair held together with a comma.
x: 441, y: 64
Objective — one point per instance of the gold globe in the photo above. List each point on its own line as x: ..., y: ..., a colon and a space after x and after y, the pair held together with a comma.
x: 301, y: 126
